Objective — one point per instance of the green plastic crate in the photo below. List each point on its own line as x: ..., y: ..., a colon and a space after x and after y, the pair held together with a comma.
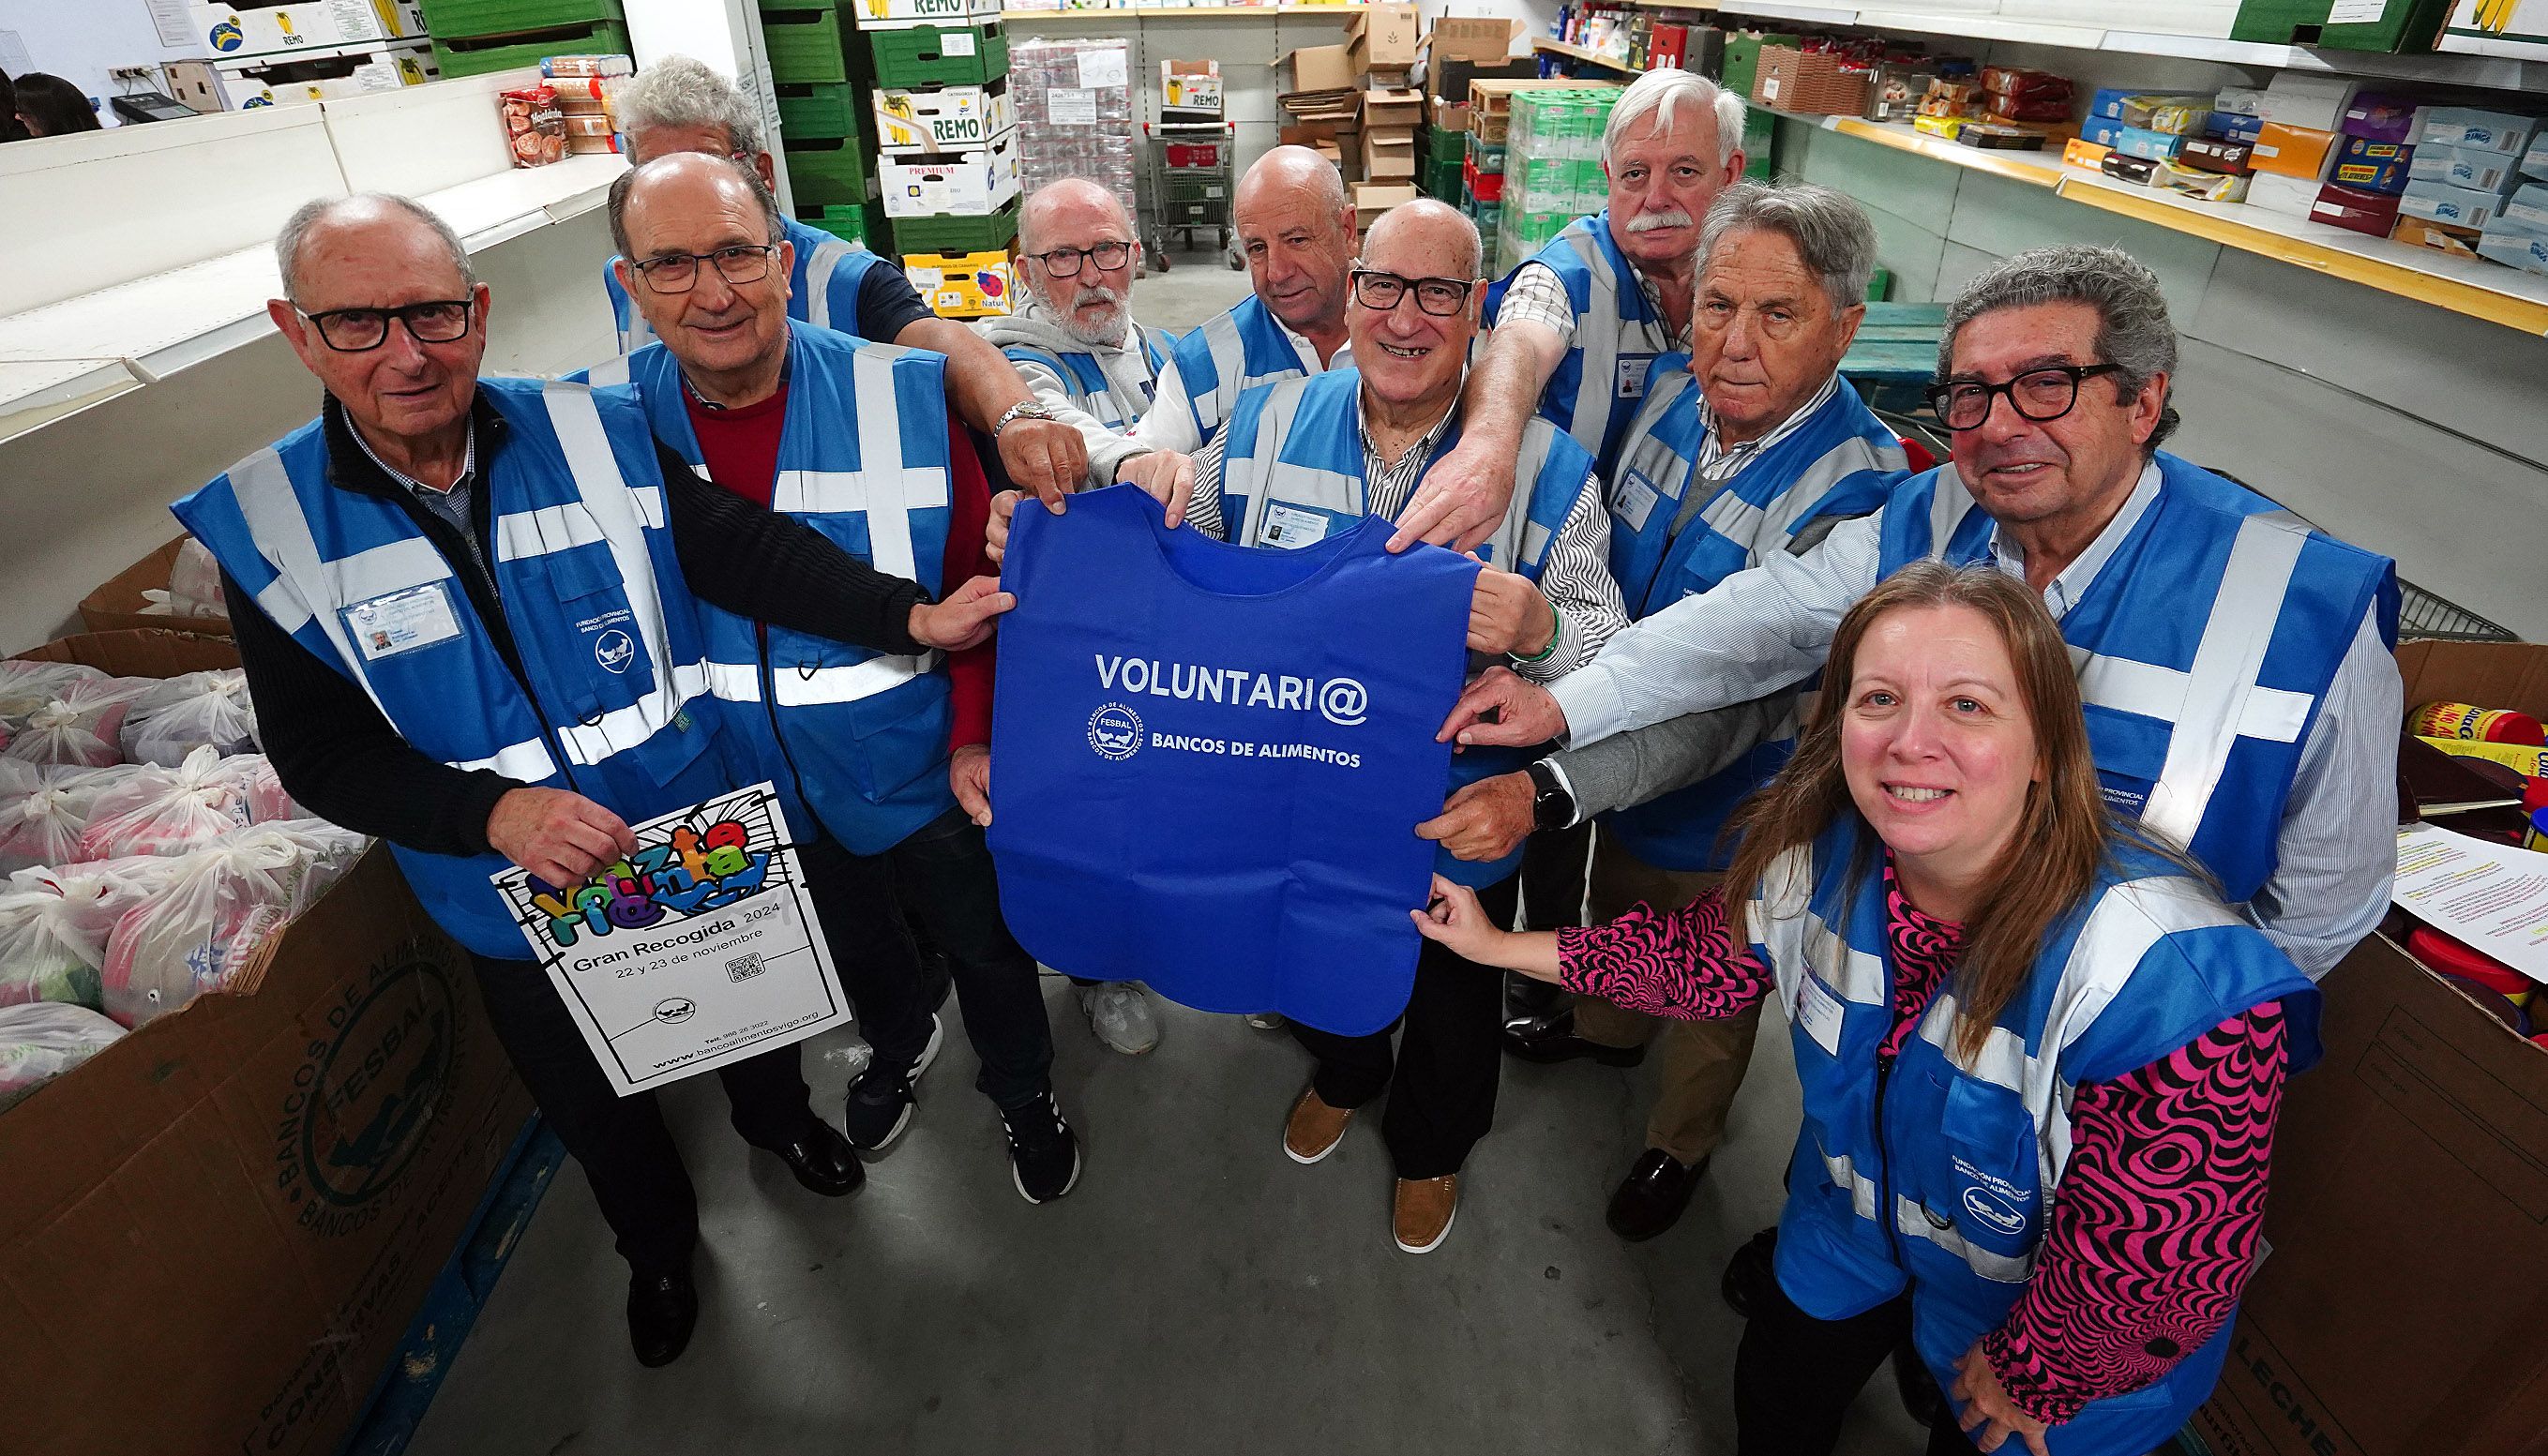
x: 1442, y: 180
x: 1760, y: 145
x: 463, y: 56
x: 865, y: 225
x: 945, y: 233
x: 821, y: 111
x: 2399, y: 26
x: 932, y: 55
x: 825, y: 174
x: 458, y: 18
x: 804, y: 45
x: 1487, y: 157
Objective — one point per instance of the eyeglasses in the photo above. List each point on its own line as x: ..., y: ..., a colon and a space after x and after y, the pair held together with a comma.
x: 1439, y: 297
x: 1063, y: 262
x: 361, y: 331
x: 679, y: 272
x: 2038, y: 395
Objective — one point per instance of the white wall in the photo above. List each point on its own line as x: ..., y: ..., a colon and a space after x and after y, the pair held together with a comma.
x: 79, y: 40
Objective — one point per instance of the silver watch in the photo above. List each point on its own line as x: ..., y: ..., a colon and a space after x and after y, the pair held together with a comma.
x: 1022, y: 409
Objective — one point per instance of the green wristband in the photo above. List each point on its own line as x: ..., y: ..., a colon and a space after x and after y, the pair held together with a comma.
x: 1556, y: 629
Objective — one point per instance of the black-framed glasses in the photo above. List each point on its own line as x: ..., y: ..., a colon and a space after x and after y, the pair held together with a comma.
x: 361, y: 331
x: 2039, y: 395
x: 1439, y: 297
x: 744, y: 262
x: 1063, y: 262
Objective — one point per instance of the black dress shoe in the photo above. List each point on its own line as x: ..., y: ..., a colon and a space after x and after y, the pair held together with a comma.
x: 822, y: 1160
x: 1529, y: 996
x: 662, y: 1309
x: 1552, y: 1039
x: 1649, y: 1199
x: 1752, y: 1272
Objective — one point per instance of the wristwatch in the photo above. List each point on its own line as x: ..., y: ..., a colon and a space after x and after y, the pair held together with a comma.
x: 1022, y: 409
x: 1551, y: 805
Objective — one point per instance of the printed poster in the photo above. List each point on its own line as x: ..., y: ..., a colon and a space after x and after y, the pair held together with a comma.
x: 699, y: 950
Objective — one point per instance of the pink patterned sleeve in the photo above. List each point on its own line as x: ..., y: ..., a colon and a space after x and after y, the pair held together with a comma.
x: 1685, y: 963
x: 2155, y: 1233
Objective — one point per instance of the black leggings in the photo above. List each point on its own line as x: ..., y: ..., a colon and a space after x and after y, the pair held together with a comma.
x: 1794, y: 1377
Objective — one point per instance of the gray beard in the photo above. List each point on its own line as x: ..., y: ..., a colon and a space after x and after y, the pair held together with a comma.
x: 1112, y: 335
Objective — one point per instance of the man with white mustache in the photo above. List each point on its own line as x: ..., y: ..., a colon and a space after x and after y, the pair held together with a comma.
x: 1075, y: 341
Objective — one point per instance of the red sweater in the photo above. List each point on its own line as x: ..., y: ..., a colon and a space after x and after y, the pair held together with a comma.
x: 741, y: 447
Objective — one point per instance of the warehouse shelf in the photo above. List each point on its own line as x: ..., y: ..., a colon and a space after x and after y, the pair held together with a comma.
x: 1179, y: 12
x: 2475, y: 287
x: 1591, y: 57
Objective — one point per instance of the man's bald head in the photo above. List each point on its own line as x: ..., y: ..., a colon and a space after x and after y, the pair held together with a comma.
x: 1298, y: 233
x: 1070, y: 206
x: 690, y: 180
x: 1291, y: 171
x: 1425, y: 234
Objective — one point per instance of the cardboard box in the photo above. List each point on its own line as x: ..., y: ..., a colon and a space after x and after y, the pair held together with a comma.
x: 2293, y: 152
x: 115, y: 606
x: 2080, y: 151
x: 280, y: 81
x: 2458, y: 243
x: 2374, y: 213
x: 1474, y: 37
x: 2293, y: 197
x: 2198, y: 184
x: 886, y: 14
x: 2526, y: 207
x: 1388, y: 155
x: 1385, y: 38
x: 962, y: 285
x: 2300, y: 99
x: 2157, y: 147
x: 2382, y: 117
x: 944, y: 119
x: 311, y: 25
x: 2479, y: 131
x: 2463, y: 206
x: 1324, y: 68
x: 1371, y: 199
x: 249, y: 1198
x: 2460, y: 166
x: 1392, y: 108
x: 2373, y: 166
x: 2213, y: 155
x: 2514, y: 248
x: 2230, y: 126
x: 1192, y: 86
x: 2110, y: 102
x: 973, y: 183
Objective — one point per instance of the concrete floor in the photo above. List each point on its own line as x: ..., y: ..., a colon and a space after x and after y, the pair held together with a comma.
x: 1198, y: 1292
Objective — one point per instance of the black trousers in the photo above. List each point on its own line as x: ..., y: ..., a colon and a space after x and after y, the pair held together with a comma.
x: 1555, y: 866
x: 942, y: 876
x: 1449, y: 1052
x: 1794, y: 1377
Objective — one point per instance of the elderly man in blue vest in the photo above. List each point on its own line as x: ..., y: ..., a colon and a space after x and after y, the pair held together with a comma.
x: 1750, y: 445
x: 679, y: 104
x: 1579, y: 325
x: 855, y: 440
x: 2235, y: 663
x: 1306, y: 456
x: 465, y: 610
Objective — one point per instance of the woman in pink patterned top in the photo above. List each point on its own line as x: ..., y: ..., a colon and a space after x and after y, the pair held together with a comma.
x: 1918, y: 890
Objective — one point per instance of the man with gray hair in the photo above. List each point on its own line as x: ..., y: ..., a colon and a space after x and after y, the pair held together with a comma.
x: 1750, y: 444
x: 1580, y: 324
x: 2235, y: 663
x: 679, y: 104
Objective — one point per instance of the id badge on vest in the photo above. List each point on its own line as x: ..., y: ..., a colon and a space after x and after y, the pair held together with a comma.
x: 1294, y: 527
x: 402, y: 621
x: 1632, y: 375
x: 1818, y: 1012
x: 1634, y: 499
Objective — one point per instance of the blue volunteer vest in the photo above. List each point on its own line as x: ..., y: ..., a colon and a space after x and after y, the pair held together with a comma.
x: 861, y: 459
x: 2205, y: 649
x: 1839, y: 461
x: 1291, y: 473
x: 1940, y: 1176
x: 1084, y: 379
x: 1209, y: 765
x: 1231, y: 354
x: 822, y: 290
x: 1618, y: 336
x: 617, y: 707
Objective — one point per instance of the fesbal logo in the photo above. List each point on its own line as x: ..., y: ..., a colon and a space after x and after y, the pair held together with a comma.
x: 1342, y: 701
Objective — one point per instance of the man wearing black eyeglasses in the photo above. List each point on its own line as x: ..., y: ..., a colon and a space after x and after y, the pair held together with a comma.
x: 2234, y: 661
x: 465, y: 608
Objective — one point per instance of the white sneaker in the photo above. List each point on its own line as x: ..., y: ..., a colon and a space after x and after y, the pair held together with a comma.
x: 1119, y: 1013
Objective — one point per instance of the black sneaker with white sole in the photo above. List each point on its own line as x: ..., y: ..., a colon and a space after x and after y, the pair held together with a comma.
x: 1044, y: 1154
x: 881, y: 1099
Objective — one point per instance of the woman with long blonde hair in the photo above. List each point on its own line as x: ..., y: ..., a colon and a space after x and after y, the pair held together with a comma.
x: 2041, y: 1059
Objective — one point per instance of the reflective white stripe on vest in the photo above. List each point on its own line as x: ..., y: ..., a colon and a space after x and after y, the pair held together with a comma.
x: 1596, y: 333
x: 528, y: 761
x: 1912, y: 1219
x: 2126, y: 923
x: 1948, y: 502
x: 612, y: 506
x: 609, y: 372
x: 625, y: 728
x: 263, y: 489
x: 1845, y: 1174
x: 797, y: 687
x: 819, y: 267
x: 526, y: 533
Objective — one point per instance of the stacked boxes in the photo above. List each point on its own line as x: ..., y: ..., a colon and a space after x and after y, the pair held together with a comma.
x: 823, y: 125
x: 300, y: 27
x: 254, y: 81
x: 944, y: 123
x: 474, y: 37
x: 1074, y: 105
x: 1552, y: 165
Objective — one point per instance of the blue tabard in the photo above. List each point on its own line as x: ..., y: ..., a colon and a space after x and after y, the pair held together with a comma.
x: 863, y: 458
x: 1231, y: 354
x: 1941, y: 1175
x: 1839, y: 461
x: 1617, y: 338
x: 1209, y: 766
x: 1293, y: 468
x: 616, y: 707
x: 1085, y: 379
x: 822, y: 290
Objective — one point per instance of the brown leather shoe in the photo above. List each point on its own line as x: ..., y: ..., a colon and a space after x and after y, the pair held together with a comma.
x: 1313, y: 1128
x: 1425, y: 1207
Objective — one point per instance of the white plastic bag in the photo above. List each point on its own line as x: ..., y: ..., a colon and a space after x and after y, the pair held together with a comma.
x: 194, y: 582
x: 77, y: 726
x: 165, y: 811
x: 253, y: 777
x: 28, y: 685
x: 86, y: 786
x: 42, y: 1040
x: 321, y: 852
x: 199, y: 932
x: 39, y: 828
x: 96, y: 894
x: 44, y: 954
x: 191, y: 710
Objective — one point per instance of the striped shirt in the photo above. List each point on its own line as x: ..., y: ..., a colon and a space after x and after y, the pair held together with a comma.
x: 1538, y: 295
x: 451, y: 506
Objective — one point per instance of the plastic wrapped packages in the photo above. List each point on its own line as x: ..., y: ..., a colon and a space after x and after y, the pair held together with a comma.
x: 267, y: 802
x: 27, y: 685
x: 79, y: 725
x: 97, y: 893
x: 201, y: 929
x: 42, y: 1040
x: 39, y: 828
x: 194, y: 582
x: 46, y: 953
x: 180, y: 714
x: 166, y: 811
x: 323, y: 853
x: 86, y: 786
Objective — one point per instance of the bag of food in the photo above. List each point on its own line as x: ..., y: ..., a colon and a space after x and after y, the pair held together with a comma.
x: 42, y: 1040
x: 86, y: 786
x: 97, y: 893
x: 194, y: 582
x: 199, y: 931
x: 28, y: 685
x: 534, y: 126
x: 320, y: 853
x: 77, y: 726
x: 39, y: 828
x: 43, y: 956
x: 253, y: 777
x: 191, y: 710
x: 165, y: 811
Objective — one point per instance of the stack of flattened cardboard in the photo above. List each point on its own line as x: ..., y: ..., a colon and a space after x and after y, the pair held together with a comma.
x: 1324, y: 102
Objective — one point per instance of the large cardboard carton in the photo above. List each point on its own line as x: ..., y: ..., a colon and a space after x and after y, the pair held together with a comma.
x: 267, y: 28
x: 1385, y: 38
x: 214, y: 1234
x: 115, y: 606
x: 1324, y: 68
x: 1388, y: 155
x: 2403, y: 1308
x: 1474, y: 37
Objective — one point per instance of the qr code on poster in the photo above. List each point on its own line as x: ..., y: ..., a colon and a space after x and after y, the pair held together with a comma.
x: 742, y: 968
